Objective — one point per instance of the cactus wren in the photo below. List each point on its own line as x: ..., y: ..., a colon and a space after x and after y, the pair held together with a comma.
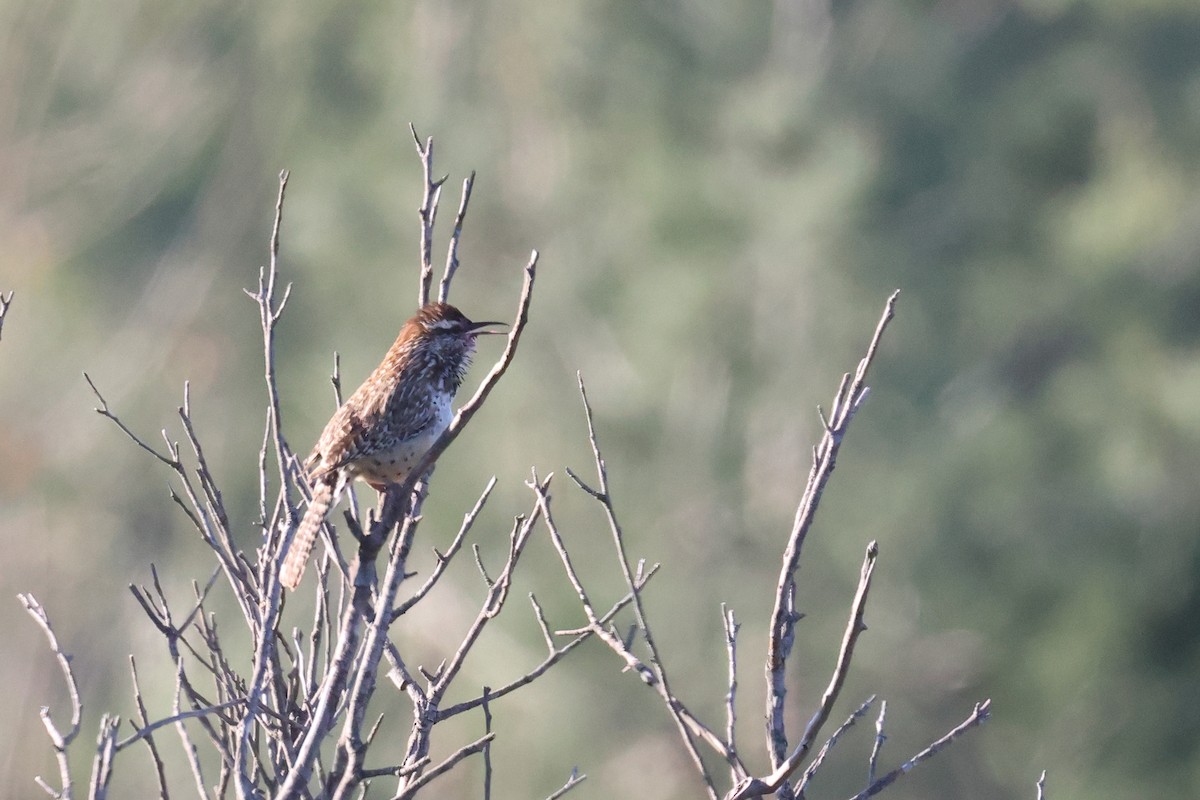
x: 391, y: 421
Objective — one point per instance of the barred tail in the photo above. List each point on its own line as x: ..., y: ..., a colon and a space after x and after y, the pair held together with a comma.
x: 293, y: 566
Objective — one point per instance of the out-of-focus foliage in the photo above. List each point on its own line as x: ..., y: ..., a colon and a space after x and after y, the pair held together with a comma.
x: 723, y: 194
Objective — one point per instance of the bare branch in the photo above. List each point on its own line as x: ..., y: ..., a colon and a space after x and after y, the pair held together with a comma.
x: 731, y: 631
x: 427, y: 212
x: 452, y: 249
x: 978, y: 717
x: 444, y: 767
x: 495, y: 598
x: 103, y: 411
x: 160, y: 770
x: 776, y: 779
x: 147, y: 730
x: 487, y: 748
x: 686, y: 723
x: 5, y: 302
x: 853, y: 628
x: 573, y: 781
x: 269, y: 312
x: 877, y: 747
x: 632, y: 662
x: 60, y: 740
x: 832, y: 741
x: 443, y: 560
x: 783, y: 617
x: 553, y: 657
x: 102, y: 762
x: 189, y: 749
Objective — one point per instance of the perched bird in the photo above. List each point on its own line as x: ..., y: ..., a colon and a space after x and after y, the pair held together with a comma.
x: 391, y: 421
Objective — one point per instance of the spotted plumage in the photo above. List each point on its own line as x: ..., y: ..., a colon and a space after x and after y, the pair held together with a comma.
x: 390, y: 422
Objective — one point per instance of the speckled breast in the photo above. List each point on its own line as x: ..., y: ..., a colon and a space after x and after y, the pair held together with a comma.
x: 392, y: 465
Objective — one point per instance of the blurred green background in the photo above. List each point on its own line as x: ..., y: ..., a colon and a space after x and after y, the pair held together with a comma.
x: 723, y: 194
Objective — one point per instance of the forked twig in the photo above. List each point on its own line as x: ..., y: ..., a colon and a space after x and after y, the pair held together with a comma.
x: 689, y: 727
x: 427, y: 212
x: 826, y: 748
x: 850, y: 396
x: 574, y: 780
x: 758, y: 787
x: 5, y: 302
x: 60, y: 740
x: 978, y: 716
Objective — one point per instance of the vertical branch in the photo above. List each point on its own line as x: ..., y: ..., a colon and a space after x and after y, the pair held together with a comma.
x: 263, y: 628
x: 264, y: 659
x: 848, y: 400
x: 269, y: 312
x: 731, y: 631
x: 351, y: 744
x: 877, y: 747
x: 427, y: 212
x: 487, y: 747
x: 159, y: 768
x: 333, y: 684
x: 61, y: 741
x: 757, y: 787
x: 853, y: 628
x: 452, y: 249
x: 102, y: 762
x: 5, y: 302
x: 685, y: 723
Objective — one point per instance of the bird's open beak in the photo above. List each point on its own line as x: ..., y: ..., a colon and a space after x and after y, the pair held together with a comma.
x: 475, y: 327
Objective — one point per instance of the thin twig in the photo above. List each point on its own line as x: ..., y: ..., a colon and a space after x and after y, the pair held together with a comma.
x: 427, y: 212
x: 685, y: 722
x: 847, y: 401
x: 160, y: 770
x: 102, y: 762
x: 830, y: 743
x: 574, y: 780
x: 877, y: 747
x: 269, y: 312
x: 731, y: 626
x: 554, y: 655
x: 487, y: 748
x: 854, y: 627
x: 769, y: 784
x: 495, y: 598
x: 443, y: 559
x: 614, y: 642
x: 145, y: 731
x: 60, y: 740
x: 455, y: 236
x: 978, y: 717
x: 444, y: 767
x: 189, y: 749
x: 5, y: 302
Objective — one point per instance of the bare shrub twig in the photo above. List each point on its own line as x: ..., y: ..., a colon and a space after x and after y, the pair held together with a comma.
x: 263, y: 711
x: 5, y: 302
